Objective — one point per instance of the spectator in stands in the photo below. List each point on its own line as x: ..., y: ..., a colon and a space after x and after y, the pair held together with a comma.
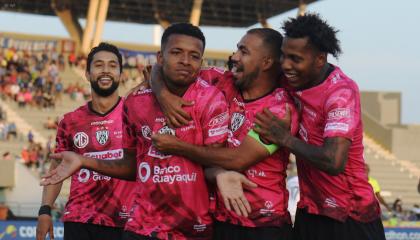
x: 11, y: 130
x: 50, y: 124
x: 3, y: 130
x: 24, y: 154
x: 5, y: 212
x: 398, y: 209
x: 2, y: 114
x: 30, y: 136
x: 376, y: 188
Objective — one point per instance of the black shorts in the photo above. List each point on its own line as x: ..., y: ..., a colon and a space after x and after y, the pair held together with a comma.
x: 317, y: 227
x: 127, y: 235
x: 87, y: 231
x: 227, y: 231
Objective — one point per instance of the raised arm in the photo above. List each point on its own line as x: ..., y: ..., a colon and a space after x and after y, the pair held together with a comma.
x: 124, y: 168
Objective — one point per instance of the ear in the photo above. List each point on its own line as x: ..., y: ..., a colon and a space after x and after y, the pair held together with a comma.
x: 159, y: 57
x: 321, y: 59
x: 267, y: 63
x: 87, y: 75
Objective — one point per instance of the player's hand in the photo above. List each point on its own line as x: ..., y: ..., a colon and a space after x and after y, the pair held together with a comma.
x: 70, y: 163
x: 271, y: 129
x: 44, y: 226
x: 230, y: 185
x: 171, y: 106
x: 166, y: 143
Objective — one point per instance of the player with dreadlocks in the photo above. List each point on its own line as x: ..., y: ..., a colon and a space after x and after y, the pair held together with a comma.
x: 336, y: 200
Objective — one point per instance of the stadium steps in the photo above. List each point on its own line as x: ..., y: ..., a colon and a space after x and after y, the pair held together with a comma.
x: 397, y: 178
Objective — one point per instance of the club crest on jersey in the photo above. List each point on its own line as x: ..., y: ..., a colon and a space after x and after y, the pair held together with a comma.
x: 80, y: 140
x: 146, y: 132
x: 102, y: 136
x: 237, y: 121
x: 166, y: 130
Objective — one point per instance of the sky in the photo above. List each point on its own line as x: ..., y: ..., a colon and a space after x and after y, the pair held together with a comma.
x: 380, y: 40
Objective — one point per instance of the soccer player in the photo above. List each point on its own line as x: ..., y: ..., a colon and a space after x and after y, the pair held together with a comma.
x: 249, y: 87
x: 98, y: 205
x: 172, y: 200
x: 336, y: 200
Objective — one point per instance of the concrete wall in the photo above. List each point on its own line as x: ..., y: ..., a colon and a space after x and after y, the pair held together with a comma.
x: 406, y: 143
x: 25, y: 198
x: 7, y: 173
x: 385, y: 107
x: 376, y: 130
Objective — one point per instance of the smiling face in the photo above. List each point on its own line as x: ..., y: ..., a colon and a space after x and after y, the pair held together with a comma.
x: 181, y: 59
x: 301, y: 63
x: 104, y: 74
x: 247, y: 59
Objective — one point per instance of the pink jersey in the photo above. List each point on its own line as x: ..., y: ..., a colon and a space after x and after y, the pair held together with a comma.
x: 269, y: 200
x: 95, y: 198
x: 332, y: 109
x: 173, y: 200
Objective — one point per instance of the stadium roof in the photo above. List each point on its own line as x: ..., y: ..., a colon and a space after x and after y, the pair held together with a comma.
x: 226, y: 13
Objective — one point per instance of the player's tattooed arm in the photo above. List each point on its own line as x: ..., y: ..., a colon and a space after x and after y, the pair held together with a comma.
x: 71, y: 162
x: 170, y: 103
x: 331, y: 157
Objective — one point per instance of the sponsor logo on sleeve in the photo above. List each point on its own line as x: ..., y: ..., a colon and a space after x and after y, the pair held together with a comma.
x: 81, y: 140
x: 218, y: 131
x: 219, y: 119
x: 336, y: 126
x: 339, y: 113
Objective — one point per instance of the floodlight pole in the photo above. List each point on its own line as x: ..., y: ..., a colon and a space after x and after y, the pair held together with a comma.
x: 90, y: 22
x: 302, y: 8
x: 100, y: 21
x: 196, y: 12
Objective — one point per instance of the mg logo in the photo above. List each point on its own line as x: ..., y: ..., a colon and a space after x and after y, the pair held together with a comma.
x: 81, y: 139
x: 144, y: 171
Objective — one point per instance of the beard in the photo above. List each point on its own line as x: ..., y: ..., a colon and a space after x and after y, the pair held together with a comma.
x: 104, y: 92
x: 246, y: 80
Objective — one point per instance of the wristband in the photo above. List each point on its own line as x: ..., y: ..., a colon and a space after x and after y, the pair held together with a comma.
x: 44, y: 209
x: 271, y: 148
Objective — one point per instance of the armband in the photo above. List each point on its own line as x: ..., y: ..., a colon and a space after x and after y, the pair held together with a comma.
x: 271, y: 148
